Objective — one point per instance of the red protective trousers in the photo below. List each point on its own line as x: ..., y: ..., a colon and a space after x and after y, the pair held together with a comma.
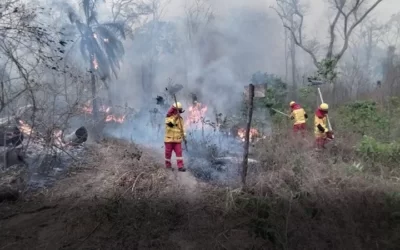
x: 321, y: 142
x: 299, y: 128
x: 173, y: 146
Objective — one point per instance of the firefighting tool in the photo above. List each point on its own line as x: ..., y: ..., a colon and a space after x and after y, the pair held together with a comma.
x: 327, y: 117
x: 178, y: 106
x: 277, y: 111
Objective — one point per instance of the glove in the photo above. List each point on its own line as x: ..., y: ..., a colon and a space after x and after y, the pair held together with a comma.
x: 329, y: 135
x: 181, y: 111
x: 170, y: 124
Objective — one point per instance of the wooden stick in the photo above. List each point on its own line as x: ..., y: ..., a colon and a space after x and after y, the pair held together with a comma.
x: 280, y: 112
x: 180, y: 119
x: 247, y: 135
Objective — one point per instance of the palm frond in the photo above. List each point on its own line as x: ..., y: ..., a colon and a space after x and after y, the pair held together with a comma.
x: 112, y: 47
x: 114, y: 54
x: 92, y: 20
x: 116, y: 27
x: 72, y: 15
x: 102, y: 60
x: 87, y: 6
x: 84, y: 47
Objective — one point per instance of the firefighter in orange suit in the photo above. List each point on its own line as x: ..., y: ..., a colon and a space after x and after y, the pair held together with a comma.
x: 174, y: 135
x: 321, y: 130
x: 299, y: 116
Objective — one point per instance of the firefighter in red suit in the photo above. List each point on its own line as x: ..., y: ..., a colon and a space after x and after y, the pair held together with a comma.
x: 174, y: 135
x: 299, y: 117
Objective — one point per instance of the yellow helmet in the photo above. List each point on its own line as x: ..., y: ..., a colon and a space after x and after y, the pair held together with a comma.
x: 292, y: 103
x: 324, y: 106
x: 177, y: 105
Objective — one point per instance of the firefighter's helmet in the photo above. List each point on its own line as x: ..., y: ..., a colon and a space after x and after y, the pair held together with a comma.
x: 292, y: 103
x: 177, y: 105
x: 324, y: 106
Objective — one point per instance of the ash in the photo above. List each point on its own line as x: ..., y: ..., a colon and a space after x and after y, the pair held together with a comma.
x: 215, y: 157
x: 46, y: 164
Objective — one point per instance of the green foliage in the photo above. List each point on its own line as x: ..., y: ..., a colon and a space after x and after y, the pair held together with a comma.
x: 364, y: 118
x: 374, y: 151
x: 326, y: 70
x: 307, y: 97
x: 275, y: 95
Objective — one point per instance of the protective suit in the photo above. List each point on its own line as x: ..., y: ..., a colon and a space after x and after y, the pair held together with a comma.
x: 299, y: 117
x: 174, y: 135
x: 321, y: 129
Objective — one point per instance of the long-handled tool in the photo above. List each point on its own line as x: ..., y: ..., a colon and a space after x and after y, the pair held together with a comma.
x: 180, y: 119
x: 327, y: 117
x: 277, y: 111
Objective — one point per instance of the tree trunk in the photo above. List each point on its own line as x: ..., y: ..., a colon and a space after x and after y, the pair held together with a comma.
x: 293, y: 60
x: 369, y: 51
x: 247, y: 135
x: 77, y: 137
x: 95, y: 104
x: 286, y: 57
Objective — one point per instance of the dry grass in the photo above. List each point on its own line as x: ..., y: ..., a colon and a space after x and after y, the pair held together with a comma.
x: 301, y: 199
x: 297, y: 200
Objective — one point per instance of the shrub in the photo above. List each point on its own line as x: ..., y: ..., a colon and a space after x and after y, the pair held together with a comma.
x: 363, y: 118
x: 373, y: 151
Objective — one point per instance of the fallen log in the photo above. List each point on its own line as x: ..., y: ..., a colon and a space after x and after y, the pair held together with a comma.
x: 8, y: 194
x: 10, y: 135
x: 77, y: 137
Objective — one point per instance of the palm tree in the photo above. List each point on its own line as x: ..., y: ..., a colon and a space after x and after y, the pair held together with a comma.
x: 99, y: 45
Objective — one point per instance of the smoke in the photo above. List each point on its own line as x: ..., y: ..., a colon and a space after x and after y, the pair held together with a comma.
x: 211, y: 53
x: 215, y: 61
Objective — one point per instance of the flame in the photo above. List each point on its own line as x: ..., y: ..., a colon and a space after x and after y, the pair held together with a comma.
x: 196, y: 113
x: 113, y: 118
x: 95, y: 64
x: 25, y: 128
x: 57, y: 136
x: 242, y: 133
x: 87, y: 108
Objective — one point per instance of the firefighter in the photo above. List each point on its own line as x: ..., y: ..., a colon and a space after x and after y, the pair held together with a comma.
x: 322, y: 133
x: 299, y: 116
x: 174, y: 135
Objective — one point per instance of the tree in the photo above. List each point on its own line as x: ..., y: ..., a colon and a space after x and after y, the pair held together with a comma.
x: 154, y: 41
x: 390, y: 32
x: 99, y: 45
x: 26, y: 47
x: 288, y: 11
x: 349, y: 12
x: 129, y: 12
